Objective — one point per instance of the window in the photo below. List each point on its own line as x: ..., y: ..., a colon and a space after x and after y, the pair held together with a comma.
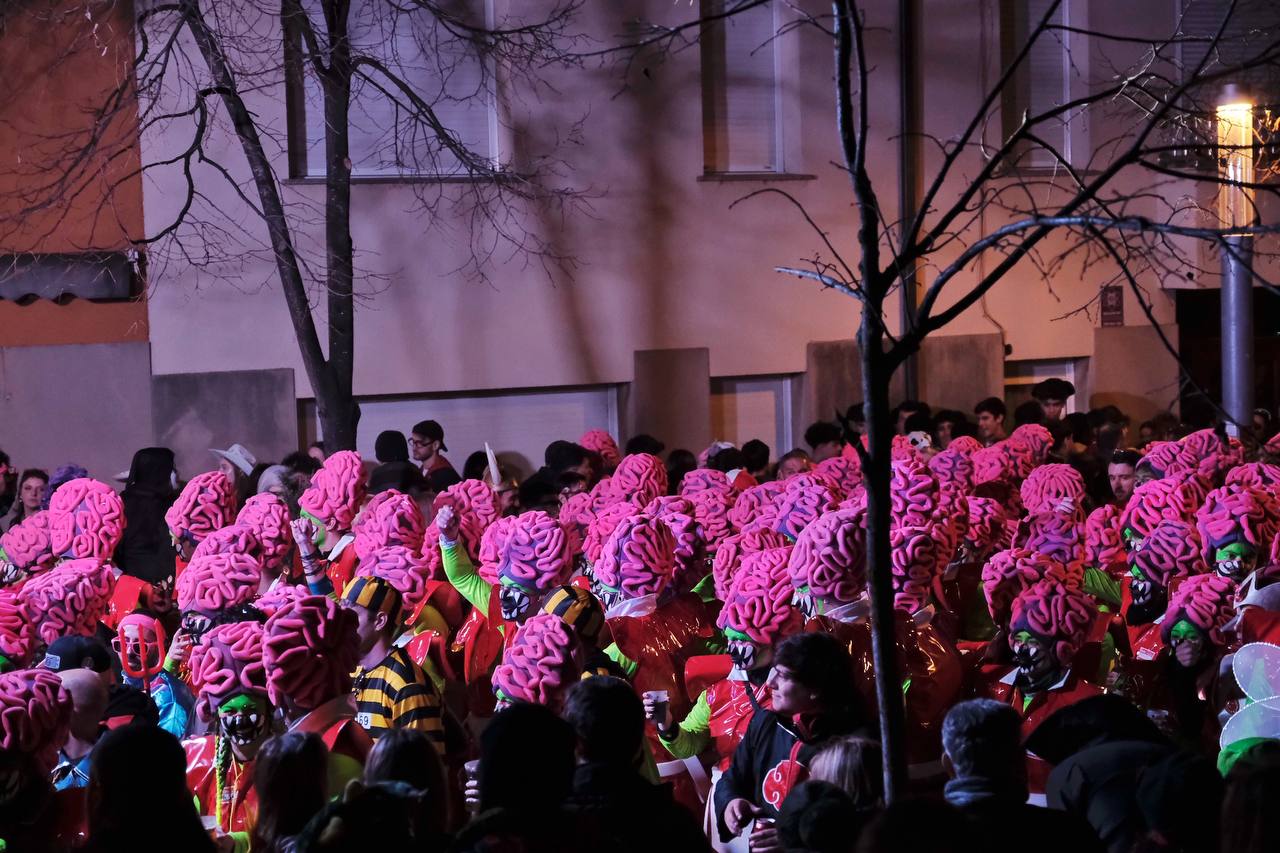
x: 389, y: 135
x: 740, y: 98
x: 1048, y: 77
x: 1202, y: 19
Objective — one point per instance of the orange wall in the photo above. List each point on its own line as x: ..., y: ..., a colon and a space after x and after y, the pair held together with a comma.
x: 59, y: 68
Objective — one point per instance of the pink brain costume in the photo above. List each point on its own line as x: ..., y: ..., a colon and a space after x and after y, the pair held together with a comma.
x: 1103, y: 544
x: 966, y: 444
x: 404, y: 569
x: 1058, y: 536
x: 35, y: 713
x: 1054, y: 488
x: 541, y: 664
x: 491, y: 545
x: 534, y: 555
x: 728, y: 559
x: 226, y: 662
x: 1155, y: 501
x: 1237, y: 525
x: 805, y: 498
x: 309, y: 651
x: 991, y: 464
x: 844, y: 473
x: 953, y: 469
x: 17, y: 631
x: 69, y: 599
x: 828, y: 565
x: 207, y: 503
x: 913, y: 495
x: 1172, y: 550
x: 1028, y: 447
x: 233, y: 539
x: 640, y: 478
x: 1206, y: 601
x: 214, y: 582
x: 915, y: 560
x: 711, y: 513
x: 389, y: 518
x: 268, y: 517
x: 1061, y: 615
x: 759, y: 602
x: 755, y: 506
x: 27, y: 544
x: 602, y: 527
x: 576, y: 515
x: 638, y: 560
x: 1011, y: 571
x: 86, y: 519
x: 337, y: 490
x: 1260, y: 475
x: 987, y: 529
x: 599, y: 441
x: 679, y: 515
x: 704, y: 479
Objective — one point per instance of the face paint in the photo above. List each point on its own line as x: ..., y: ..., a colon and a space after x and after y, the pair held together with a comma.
x: 1188, y: 643
x: 321, y: 534
x: 608, y: 595
x: 1149, y: 599
x: 1235, y: 561
x: 1037, y: 667
x: 517, y: 604
x: 195, y: 624
x: 245, y: 723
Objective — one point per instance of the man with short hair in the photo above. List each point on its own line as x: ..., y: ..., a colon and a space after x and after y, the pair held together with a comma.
x: 7, y: 478
x: 991, y: 412
x: 1121, y: 473
x: 88, y: 705
x: 825, y: 439
x: 427, y: 448
x: 756, y: 453
x: 982, y: 752
x: 1052, y: 394
x: 391, y: 690
x: 905, y: 410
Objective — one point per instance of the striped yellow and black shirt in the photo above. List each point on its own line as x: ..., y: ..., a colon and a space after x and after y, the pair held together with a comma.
x: 398, y: 694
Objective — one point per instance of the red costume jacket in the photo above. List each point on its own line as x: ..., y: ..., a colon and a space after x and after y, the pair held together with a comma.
x: 1034, y: 712
x: 239, y: 801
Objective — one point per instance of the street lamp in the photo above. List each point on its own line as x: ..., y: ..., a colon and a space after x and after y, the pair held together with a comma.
x: 1236, y: 211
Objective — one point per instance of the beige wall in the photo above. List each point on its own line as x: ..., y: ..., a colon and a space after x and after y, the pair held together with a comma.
x: 662, y: 260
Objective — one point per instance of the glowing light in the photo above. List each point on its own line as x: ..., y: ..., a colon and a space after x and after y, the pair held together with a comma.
x: 1235, y: 160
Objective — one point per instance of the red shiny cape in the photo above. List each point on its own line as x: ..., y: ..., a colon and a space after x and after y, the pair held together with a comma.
x: 240, y: 802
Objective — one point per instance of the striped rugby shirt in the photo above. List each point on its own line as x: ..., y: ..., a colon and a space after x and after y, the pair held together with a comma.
x: 398, y: 694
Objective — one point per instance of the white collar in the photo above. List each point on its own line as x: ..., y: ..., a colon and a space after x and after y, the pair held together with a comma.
x: 642, y: 606
x: 1012, y: 674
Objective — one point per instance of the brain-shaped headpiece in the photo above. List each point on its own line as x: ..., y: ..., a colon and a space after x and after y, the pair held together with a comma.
x: 534, y: 554
x: 728, y: 559
x: 69, y: 599
x: 902, y: 450
x: 988, y: 525
x: 640, y: 478
x: 1052, y: 610
x: 476, y: 504
x: 404, y: 569
x: 491, y: 545
x: 215, y: 582
x: 1028, y: 447
x: 309, y: 651
x: 991, y: 464
x: 1202, y: 451
x: 756, y: 506
x: 541, y: 664
x: 602, y: 526
x: 703, y: 479
x: 35, y: 713
x: 227, y: 663
x: 830, y: 557
x: 1157, y: 500
x: 576, y: 516
x: 1011, y: 571
x: 711, y: 513
x: 1261, y: 475
x: 1161, y: 457
x: 389, y: 518
x: 232, y: 539
x: 207, y: 503
x: 1054, y: 488
x: 680, y: 516
x: 913, y: 494
x: 915, y: 560
x: 1206, y: 601
x: 599, y: 441
x: 842, y: 472
x: 1171, y: 551
x: 1103, y: 544
x: 278, y: 597
x: 27, y: 544
x: 17, y: 630
x: 337, y: 490
x: 804, y: 499
x: 638, y: 559
x: 1058, y: 536
x: 268, y: 517
x: 86, y: 519
x: 953, y: 469
x: 1237, y: 514
x: 966, y: 444
x: 759, y: 601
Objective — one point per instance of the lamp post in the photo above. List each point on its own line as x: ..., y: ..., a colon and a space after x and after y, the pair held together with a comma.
x: 1235, y: 211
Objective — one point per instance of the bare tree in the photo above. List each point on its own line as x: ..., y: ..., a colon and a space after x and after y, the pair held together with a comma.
x: 1133, y: 212
x: 400, y: 78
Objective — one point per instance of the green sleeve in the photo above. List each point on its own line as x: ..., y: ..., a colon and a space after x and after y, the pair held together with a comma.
x: 1102, y: 587
x: 693, y: 733
x: 464, y: 577
x: 241, y: 841
x: 624, y: 663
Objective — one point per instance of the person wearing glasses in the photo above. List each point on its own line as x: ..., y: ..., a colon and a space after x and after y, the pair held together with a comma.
x: 426, y: 446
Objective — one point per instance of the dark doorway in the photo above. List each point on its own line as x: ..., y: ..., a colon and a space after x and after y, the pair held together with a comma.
x: 1200, y: 343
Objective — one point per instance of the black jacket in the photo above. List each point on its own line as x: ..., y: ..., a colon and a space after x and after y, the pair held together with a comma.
x: 625, y: 812
x: 1004, y: 813
x: 146, y: 550
x: 1100, y: 783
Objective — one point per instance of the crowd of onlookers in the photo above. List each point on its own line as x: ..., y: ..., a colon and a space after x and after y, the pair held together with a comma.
x: 577, y: 753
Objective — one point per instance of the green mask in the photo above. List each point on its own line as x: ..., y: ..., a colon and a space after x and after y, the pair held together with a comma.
x: 1235, y: 561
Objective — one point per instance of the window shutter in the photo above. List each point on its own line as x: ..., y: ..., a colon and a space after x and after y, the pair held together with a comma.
x: 740, y: 100
x: 1048, y: 84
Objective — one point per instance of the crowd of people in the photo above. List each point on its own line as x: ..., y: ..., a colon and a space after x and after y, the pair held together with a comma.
x: 637, y: 649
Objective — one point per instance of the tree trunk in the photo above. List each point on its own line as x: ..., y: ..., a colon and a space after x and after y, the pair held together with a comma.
x: 876, y: 371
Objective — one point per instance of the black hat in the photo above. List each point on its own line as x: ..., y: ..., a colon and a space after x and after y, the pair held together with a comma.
x: 77, y: 653
x: 1053, y: 389
x: 430, y: 430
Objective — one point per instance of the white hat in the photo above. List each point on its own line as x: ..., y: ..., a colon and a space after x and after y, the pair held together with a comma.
x: 239, y: 456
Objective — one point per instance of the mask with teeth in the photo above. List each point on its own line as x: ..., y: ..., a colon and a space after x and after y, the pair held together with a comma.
x: 1132, y: 541
x: 1037, y: 667
x: 746, y: 653
x: 1188, y: 643
x: 608, y: 595
x: 1235, y: 561
x: 805, y: 602
x: 245, y: 722
x: 11, y: 574
x: 517, y: 604
x: 1149, y: 599
x: 195, y: 624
